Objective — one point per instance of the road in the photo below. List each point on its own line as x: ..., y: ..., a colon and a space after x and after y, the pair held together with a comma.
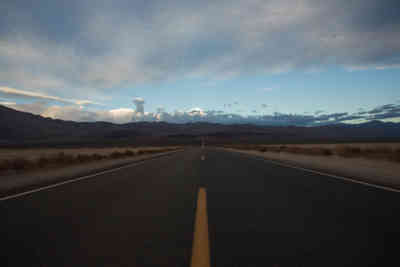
x: 259, y: 214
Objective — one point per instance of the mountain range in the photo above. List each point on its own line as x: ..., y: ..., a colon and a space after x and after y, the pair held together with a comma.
x: 25, y: 129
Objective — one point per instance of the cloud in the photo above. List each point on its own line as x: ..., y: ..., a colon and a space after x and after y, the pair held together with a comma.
x: 387, y: 111
x: 73, y: 112
x: 384, y: 108
x: 160, y: 110
x: 35, y: 95
x: 98, y: 45
x: 139, y: 103
x: 37, y: 107
x: 7, y: 103
x: 196, y: 114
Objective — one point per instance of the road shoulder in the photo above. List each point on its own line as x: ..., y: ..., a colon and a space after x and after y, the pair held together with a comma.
x: 364, y: 170
x: 16, y: 183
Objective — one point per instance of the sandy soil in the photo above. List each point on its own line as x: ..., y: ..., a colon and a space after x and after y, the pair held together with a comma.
x: 368, y: 170
x: 334, y: 145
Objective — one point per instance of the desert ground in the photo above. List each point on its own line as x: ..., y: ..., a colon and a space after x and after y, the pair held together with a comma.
x: 375, y: 151
x: 376, y: 163
x: 16, y: 160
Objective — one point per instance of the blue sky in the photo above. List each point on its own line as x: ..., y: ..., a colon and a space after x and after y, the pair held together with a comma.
x: 304, y: 62
x: 332, y: 90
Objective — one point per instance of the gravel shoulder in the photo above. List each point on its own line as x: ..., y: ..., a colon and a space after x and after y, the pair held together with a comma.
x: 361, y: 169
x: 15, y: 183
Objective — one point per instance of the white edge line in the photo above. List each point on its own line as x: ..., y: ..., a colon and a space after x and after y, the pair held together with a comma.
x: 83, y: 177
x: 387, y: 188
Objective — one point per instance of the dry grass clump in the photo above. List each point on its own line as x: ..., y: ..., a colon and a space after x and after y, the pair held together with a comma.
x: 369, y: 152
x: 294, y: 149
x: 317, y: 151
x: 396, y: 155
x: 63, y: 158
x: 19, y: 163
x: 129, y: 153
x: 349, y: 151
x: 16, y: 164
x: 116, y: 155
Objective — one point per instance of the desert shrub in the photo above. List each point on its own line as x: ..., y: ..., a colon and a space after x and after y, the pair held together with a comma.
x: 20, y: 164
x: 348, y: 151
x: 63, y: 158
x: 129, y: 153
x: 263, y: 149
x: 295, y: 150
x: 379, y: 150
x: 96, y: 156
x: 83, y: 158
x: 274, y: 149
x: 369, y: 151
x: 327, y: 152
x: 43, y: 162
x: 5, y: 165
x: 396, y: 155
x: 355, y: 150
x: 245, y: 147
x: 319, y: 151
x: 116, y: 155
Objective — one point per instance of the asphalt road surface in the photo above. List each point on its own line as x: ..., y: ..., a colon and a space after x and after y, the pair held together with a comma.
x: 260, y: 214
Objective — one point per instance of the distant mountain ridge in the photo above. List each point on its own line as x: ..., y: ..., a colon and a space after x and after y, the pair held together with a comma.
x: 21, y: 128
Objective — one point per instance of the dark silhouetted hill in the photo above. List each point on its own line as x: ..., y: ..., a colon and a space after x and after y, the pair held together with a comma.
x: 25, y: 129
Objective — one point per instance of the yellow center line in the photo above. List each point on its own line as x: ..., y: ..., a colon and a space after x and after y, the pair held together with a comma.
x: 201, y: 242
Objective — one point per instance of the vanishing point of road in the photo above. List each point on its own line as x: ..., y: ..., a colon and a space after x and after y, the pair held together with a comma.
x: 259, y: 214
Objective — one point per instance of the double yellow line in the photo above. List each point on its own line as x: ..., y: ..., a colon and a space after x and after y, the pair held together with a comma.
x: 201, y: 240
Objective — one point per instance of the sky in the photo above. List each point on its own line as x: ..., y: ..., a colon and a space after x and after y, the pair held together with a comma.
x: 269, y: 62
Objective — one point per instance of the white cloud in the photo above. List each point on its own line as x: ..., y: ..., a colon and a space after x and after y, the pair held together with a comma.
x: 74, y: 113
x: 121, y: 115
x: 374, y: 66
x: 125, y: 115
x: 195, y: 112
x: 29, y: 94
x: 37, y: 107
x: 139, y: 103
x: 5, y: 103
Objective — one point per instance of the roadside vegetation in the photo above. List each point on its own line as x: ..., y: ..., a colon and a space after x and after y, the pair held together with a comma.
x: 389, y: 151
x: 36, y: 159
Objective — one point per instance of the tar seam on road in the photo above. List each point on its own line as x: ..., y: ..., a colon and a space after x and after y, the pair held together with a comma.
x: 82, y: 178
x: 201, y: 240
x: 387, y: 188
